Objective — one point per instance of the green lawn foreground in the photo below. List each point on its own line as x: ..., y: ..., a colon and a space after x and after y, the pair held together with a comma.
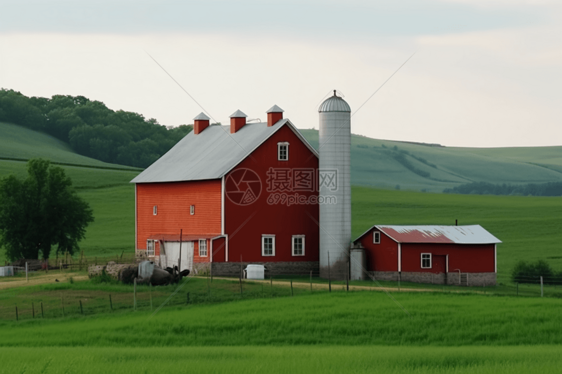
x: 359, y: 332
x: 285, y: 359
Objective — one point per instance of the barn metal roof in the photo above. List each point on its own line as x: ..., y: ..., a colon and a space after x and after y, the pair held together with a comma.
x: 473, y: 234
x: 334, y: 104
x: 212, y: 153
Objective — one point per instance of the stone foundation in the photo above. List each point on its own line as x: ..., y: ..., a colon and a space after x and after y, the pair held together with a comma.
x: 112, y: 269
x: 474, y: 279
x: 232, y: 269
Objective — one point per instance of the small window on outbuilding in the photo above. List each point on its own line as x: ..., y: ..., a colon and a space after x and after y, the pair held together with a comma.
x: 283, y: 151
x: 155, y: 210
x: 426, y: 260
x: 376, y: 237
x: 192, y: 210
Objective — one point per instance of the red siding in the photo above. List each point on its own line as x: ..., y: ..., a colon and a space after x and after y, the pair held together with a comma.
x: 467, y: 258
x: 173, y: 201
x: 383, y: 256
x: 246, y: 224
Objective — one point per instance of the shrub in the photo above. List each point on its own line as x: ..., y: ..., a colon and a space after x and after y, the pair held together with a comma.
x: 526, y: 272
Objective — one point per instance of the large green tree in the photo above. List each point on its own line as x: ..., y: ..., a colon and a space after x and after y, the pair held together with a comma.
x: 41, y: 212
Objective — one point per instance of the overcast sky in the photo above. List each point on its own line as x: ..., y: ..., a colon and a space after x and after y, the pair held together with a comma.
x: 485, y: 73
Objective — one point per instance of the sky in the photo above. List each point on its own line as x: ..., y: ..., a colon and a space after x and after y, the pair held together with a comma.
x: 481, y: 73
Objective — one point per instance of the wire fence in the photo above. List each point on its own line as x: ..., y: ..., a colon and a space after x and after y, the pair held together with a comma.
x: 70, y: 298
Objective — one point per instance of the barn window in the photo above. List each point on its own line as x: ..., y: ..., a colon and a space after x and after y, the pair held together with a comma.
x: 155, y: 210
x: 298, y: 245
x: 376, y: 237
x: 192, y: 210
x: 426, y: 260
x: 268, y: 245
x: 202, y: 248
x: 283, y: 151
x: 150, y: 247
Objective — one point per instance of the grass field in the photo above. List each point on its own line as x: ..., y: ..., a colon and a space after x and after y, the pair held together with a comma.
x: 373, y: 163
x: 321, y: 318
x: 23, y: 143
x: 356, y: 332
x: 285, y: 359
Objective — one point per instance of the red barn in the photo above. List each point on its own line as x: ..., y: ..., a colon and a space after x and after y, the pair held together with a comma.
x: 236, y: 194
x: 431, y: 254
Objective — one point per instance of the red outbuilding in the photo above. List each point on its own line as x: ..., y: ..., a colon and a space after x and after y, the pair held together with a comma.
x: 463, y: 255
x: 229, y: 195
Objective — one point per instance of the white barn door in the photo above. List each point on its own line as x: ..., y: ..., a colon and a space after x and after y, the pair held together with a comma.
x: 172, y: 255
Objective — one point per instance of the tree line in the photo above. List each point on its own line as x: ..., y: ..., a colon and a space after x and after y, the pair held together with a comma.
x: 531, y: 189
x: 91, y: 128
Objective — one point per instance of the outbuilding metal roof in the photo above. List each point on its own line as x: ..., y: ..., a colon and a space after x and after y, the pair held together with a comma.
x: 334, y: 104
x: 474, y: 234
x: 212, y: 153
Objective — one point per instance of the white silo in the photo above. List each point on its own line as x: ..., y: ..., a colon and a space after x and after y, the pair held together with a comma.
x: 335, y: 187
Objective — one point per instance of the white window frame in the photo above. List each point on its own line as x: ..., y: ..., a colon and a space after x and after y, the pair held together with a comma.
x: 430, y: 260
x: 150, y: 249
x: 293, y: 245
x: 263, y: 238
x: 155, y: 210
x: 280, y: 145
x: 192, y: 210
x: 201, y: 253
x: 375, y: 241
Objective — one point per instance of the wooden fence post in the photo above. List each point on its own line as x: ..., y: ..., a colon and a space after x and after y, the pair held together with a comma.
x: 135, y: 295
x: 81, y: 309
x: 42, y: 314
x: 33, y: 310
x: 110, y: 303
x: 17, y: 317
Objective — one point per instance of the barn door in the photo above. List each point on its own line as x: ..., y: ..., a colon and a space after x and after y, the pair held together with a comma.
x: 172, y: 255
x: 440, y: 267
x: 439, y: 264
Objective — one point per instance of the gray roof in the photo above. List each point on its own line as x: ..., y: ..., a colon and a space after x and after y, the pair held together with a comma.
x: 238, y: 114
x: 275, y: 109
x: 334, y: 104
x: 473, y: 234
x: 212, y: 153
x: 202, y: 116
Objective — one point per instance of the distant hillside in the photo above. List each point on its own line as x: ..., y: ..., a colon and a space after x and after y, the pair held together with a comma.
x: 20, y: 143
x: 92, y: 129
x: 432, y: 168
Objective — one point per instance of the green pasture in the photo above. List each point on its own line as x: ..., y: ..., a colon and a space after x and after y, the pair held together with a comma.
x: 373, y: 164
x: 23, y: 143
x: 320, y: 318
x: 284, y: 359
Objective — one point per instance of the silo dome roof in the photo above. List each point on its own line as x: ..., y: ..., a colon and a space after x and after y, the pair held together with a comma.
x: 334, y: 104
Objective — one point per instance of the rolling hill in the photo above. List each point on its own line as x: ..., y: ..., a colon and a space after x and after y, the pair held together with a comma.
x: 432, y: 168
